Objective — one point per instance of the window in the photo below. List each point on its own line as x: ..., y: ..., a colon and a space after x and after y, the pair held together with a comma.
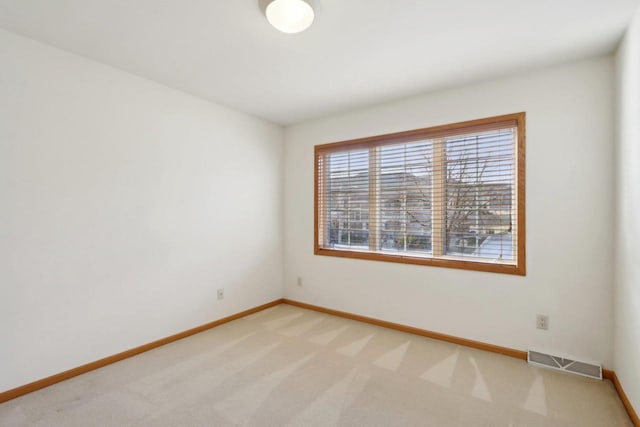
x: 450, y: 196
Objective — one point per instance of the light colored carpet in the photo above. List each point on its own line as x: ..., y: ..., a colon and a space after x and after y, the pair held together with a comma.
x: 286, y: 366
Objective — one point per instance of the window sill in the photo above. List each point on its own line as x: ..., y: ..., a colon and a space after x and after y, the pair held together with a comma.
x: 491, y: 266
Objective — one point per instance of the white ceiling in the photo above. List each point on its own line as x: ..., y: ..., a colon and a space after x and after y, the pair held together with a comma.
x: 357, y: 52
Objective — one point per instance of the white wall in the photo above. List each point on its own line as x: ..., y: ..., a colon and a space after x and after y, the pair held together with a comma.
x: 124, y: 206
x: 569, y: 219
x: 627, y: 219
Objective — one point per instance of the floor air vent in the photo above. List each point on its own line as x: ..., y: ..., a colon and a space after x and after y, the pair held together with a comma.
x: 563, y: 364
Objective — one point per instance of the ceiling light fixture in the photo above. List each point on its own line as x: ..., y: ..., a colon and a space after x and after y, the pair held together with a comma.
x: 290, y: 16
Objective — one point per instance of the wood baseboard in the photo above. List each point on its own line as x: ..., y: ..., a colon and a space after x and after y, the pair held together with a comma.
x: 45, y: 382
x: 607, y: 374
x: 625, y: 400
x: 518, y: 354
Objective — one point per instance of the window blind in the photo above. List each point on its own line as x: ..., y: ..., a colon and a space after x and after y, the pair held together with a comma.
x: 445, y: 196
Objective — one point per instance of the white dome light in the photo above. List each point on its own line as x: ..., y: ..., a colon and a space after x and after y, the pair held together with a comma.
x: 290, y: 16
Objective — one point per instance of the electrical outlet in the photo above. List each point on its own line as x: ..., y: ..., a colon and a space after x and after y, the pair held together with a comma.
x: 299, y: 281
x: 542, y: 321
x: 220, y: 294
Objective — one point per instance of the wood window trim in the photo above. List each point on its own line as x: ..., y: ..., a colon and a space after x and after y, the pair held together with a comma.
x: 485, y: 124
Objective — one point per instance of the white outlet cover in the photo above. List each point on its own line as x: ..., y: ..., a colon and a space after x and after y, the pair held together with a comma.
x: 542, y: 321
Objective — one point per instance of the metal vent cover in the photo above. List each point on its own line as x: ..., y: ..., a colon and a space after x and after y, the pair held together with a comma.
x: 564, y: 364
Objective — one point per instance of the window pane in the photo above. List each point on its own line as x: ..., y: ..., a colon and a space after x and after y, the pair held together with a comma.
x: 347, y: 199
x: 480, y: 193
x: 405, y: 196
